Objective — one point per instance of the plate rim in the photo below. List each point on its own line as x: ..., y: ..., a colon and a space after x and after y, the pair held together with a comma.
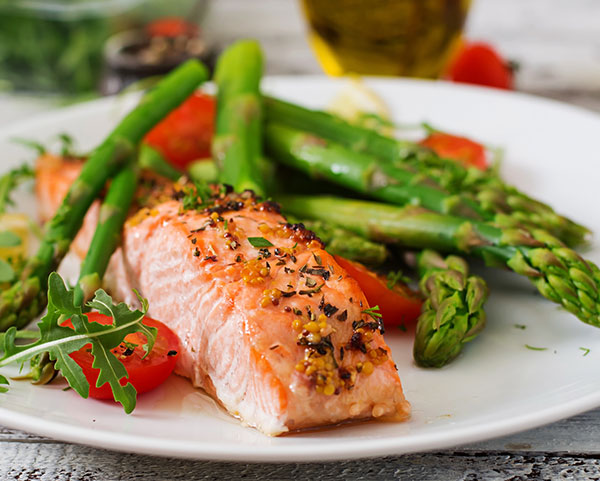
x: 204, y: 450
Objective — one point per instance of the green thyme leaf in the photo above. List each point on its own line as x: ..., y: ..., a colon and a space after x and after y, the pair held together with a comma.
x: 259, y: 242
x: 9, y: 239
x: 521, y: 326
x: 585, y: 350
x: 373, y: 312
x: 535, y: 348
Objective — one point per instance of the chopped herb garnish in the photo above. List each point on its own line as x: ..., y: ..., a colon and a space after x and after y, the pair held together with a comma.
x: 297, y: 311
x: 343, y: 316
x: 535, y: 348
x: 585, y: 350
x: 259, y: 242
x: 329, y: 310
x: 225, y: 224
x: 317, y: 259
x: 324, y: 273
x: 310, y: 282
x: 373, y: 312
x: 310, y: 292
x: 196, y: 197
x: 521, y: 326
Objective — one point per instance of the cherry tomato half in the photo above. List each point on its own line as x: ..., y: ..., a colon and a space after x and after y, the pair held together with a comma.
x: 397, y: 306
x: 461, y: 149
x: 144, y: 374
x: 186, y: 133
x: 478, y: 63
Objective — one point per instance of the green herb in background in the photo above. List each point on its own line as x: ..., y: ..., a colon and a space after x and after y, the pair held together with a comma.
x: 50, y: 55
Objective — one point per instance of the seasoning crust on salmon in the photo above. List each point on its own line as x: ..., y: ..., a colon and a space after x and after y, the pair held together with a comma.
x: 270, y: 325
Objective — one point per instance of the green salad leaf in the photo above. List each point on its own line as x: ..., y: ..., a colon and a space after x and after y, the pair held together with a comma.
x: 9, y: 181
x: 59, y: 341
x: 7, y: 273
x: 9, y: 239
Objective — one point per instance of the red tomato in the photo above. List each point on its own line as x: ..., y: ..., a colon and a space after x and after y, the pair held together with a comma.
x: 185, y: 134
x: 171, y: 27
x: 144, y: 374
x: 397, y: 306
x: 461, y: 149
x: 479, y: 63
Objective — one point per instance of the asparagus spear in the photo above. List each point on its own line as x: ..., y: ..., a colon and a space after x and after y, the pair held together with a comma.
x: 452, y: 313
x: 238, y: 129
x: 498, y: 202
x: 360, y: 172
x: 345, y: 243
x: 26, y: 298
x: 151, y: 159
x: 558, y: 272
x: 107, y: 236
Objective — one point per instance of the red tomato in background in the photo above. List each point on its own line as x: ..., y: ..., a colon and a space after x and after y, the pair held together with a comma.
x: 397, y: 306
x: 171, y: 27
x: 461, y: 149
x: 479, y: 63
x: 144, y: 374
x: 186, y: 133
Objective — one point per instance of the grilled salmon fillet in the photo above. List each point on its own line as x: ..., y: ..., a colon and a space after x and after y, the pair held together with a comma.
x: 270, y: 325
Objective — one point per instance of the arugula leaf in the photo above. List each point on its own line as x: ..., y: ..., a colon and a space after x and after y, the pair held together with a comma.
x: 259, y: 242
x: 9, y: 181
x: 7, y: 273
x: 9, y: 239
x: 30, y: 143
x: 60, y: 341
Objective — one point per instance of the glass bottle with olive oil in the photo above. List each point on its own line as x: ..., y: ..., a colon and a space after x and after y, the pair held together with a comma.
x: 385, y: 37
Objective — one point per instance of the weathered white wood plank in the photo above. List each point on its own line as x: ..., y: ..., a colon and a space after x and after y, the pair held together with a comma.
x: 63, y: 462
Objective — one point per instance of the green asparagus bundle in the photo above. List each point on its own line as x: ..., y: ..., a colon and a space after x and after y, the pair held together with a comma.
x: 26, y: 298
x: 558, y: 272
x: 237, y: 145
x: 452, y: 313
x: 497, y: 202
x: 359, y: 172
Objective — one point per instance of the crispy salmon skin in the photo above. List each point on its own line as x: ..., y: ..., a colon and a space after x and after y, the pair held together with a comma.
x: 270, y: 325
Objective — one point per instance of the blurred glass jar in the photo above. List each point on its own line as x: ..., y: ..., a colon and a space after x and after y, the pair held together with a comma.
x: 413, y: 38
x: 57, y: 45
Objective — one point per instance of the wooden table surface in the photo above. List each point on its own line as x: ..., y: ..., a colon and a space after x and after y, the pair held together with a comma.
x: 557, y: 44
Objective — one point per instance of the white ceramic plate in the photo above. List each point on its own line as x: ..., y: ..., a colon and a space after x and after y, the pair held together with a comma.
x: 496, y: 387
